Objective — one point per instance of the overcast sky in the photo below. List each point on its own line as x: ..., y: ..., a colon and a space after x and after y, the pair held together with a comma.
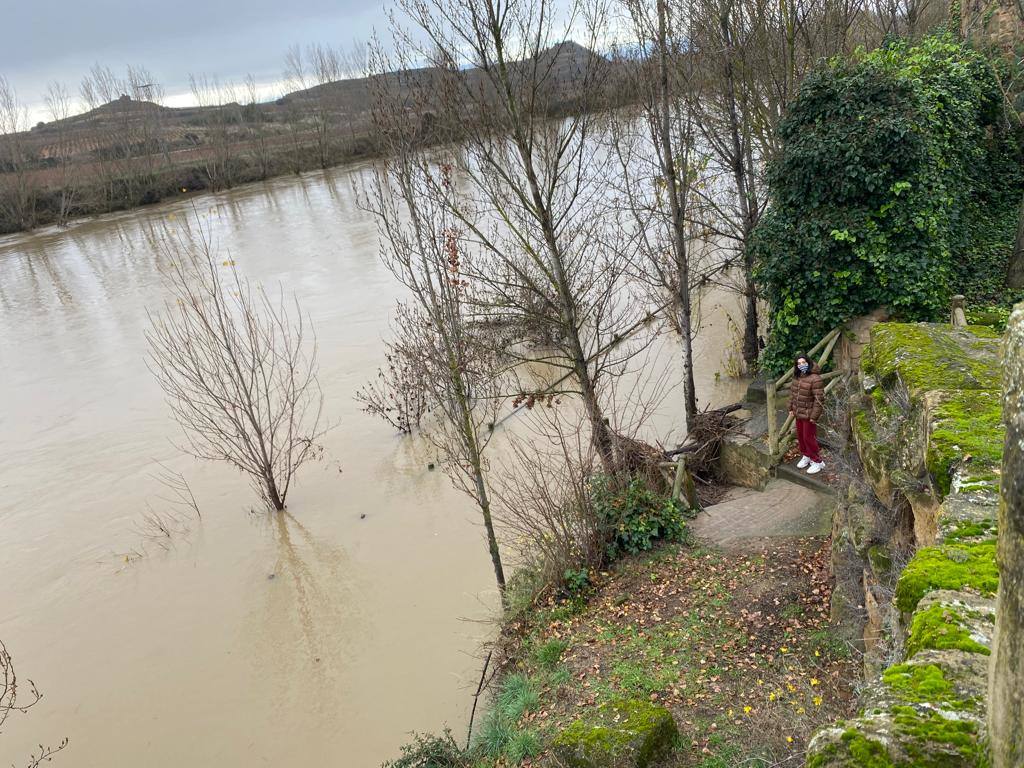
x: 60, y: 39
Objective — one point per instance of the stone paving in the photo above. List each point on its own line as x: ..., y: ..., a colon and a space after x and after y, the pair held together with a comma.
x: 781, y: 510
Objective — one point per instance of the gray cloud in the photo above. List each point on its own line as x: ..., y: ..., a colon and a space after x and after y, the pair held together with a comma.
x: 61, y: 39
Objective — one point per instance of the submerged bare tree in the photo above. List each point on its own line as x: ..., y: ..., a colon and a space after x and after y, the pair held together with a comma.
x: 445, y: 359
x: 397, y: 394
x: 10, y: 704
x: 238, y: 368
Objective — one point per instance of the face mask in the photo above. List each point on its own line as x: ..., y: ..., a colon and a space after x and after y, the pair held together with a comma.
x: 803, y: 367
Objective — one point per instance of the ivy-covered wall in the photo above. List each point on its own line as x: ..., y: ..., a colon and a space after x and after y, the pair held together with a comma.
x: 897, y: 185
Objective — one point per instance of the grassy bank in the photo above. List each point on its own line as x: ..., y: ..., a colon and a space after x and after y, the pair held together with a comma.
x: 734, y: 644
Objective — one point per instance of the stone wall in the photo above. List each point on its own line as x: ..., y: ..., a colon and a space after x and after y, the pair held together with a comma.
x: 929, y: 433
x: 997, y: 22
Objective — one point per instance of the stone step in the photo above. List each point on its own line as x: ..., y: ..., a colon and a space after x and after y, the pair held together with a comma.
x: 800, y: 477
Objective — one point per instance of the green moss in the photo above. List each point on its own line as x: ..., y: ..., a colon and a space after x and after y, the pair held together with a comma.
x: 939, y: 627
x: 856, y: 751
x: 959, y: 566
x: 971, y: 529
x: 934, y: 741
x: 919, y: 737
x: 967, y: 427
x: 932, y: 357
x: 642, y: 730
x: 923, y: 684
x: 984, y: 331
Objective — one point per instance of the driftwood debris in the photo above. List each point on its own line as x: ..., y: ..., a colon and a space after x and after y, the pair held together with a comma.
x: 701, y: 448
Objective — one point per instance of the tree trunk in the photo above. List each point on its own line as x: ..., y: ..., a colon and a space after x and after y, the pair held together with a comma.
x: 273, y: 495
x: 678, y: 194
x: 751, y: 342
x: 1006, y: 673
x: 748, y: 209
x: 1015, y: 271
x: 492, y: 540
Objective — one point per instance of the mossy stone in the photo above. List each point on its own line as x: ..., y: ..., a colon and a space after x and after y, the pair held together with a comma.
x: 941, y: 626
x: 952, y: 566
x: 903, y: 737
x: 966, y: 438
x: 932, y: 357
x: 622, y: 734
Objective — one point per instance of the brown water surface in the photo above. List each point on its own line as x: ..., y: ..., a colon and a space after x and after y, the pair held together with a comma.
x: 321, y: 637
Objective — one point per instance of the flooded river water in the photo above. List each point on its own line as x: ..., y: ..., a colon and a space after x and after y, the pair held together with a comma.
x: 318, y: 638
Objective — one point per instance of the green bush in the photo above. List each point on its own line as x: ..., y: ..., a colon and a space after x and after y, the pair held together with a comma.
x: 897, y: 184
x: 635, y: 516
x: 427, y: 751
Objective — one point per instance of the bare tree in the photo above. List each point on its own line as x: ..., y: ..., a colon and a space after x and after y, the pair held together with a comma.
x: 397, y: 394
x: 659, y: 169
x: 18, y: 188
x: 423, y: 245
x: 545, y: 499
x: 237, y: 368
x: 59, y: 109
x: 10, y: 704
x: 128, y: 136
x: 257, y: 129
x: 219, y: 102
x: 522, y: 100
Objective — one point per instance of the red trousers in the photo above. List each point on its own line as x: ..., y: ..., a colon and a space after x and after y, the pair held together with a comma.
x: 807, y: 439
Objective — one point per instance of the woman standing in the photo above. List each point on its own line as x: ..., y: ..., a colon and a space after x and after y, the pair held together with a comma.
x: 806, y: 402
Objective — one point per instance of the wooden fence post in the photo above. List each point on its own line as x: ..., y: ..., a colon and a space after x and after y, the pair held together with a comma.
x: 773, y: 425
x: 683, y: 485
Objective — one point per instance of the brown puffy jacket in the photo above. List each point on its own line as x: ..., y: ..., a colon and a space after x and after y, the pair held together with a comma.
x: 807, y: 395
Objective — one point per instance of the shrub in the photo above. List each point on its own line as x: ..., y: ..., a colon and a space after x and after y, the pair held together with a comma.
x: 428, y: 751
x: 635, y: 516
x: 897, y: 184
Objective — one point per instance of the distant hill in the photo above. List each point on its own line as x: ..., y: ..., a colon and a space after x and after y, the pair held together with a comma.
x: 129, y: 152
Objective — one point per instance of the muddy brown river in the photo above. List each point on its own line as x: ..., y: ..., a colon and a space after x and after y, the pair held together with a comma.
x: 321, y: 637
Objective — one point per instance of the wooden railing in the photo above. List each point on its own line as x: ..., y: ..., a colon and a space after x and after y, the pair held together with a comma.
x: 781, y: 387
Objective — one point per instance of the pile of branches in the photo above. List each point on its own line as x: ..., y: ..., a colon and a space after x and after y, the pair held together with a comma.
x: 702, y: 447
x: 703, y: 444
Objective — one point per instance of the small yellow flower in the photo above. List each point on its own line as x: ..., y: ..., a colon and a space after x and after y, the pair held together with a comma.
x: 816, y: 653
x: 814, y: 681
x: 784, y: 649
x: 800, y: 710
x: 817, y: 701
x: 760, y: 682
x: 771, y: 696
x: 790, y: 687
x: 789, y: 739
x: 747, y: 710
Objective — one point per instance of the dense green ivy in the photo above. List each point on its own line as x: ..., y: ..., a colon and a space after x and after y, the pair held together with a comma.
x: 897, y: 185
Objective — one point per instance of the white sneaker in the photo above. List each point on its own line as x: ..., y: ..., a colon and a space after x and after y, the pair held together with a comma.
x: 816, y: 467
x: 804, y: 462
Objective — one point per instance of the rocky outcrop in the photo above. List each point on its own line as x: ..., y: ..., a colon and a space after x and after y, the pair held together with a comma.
x: 929, y: 433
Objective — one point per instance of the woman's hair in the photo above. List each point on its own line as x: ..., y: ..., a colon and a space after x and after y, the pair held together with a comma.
x: 796, y: 369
